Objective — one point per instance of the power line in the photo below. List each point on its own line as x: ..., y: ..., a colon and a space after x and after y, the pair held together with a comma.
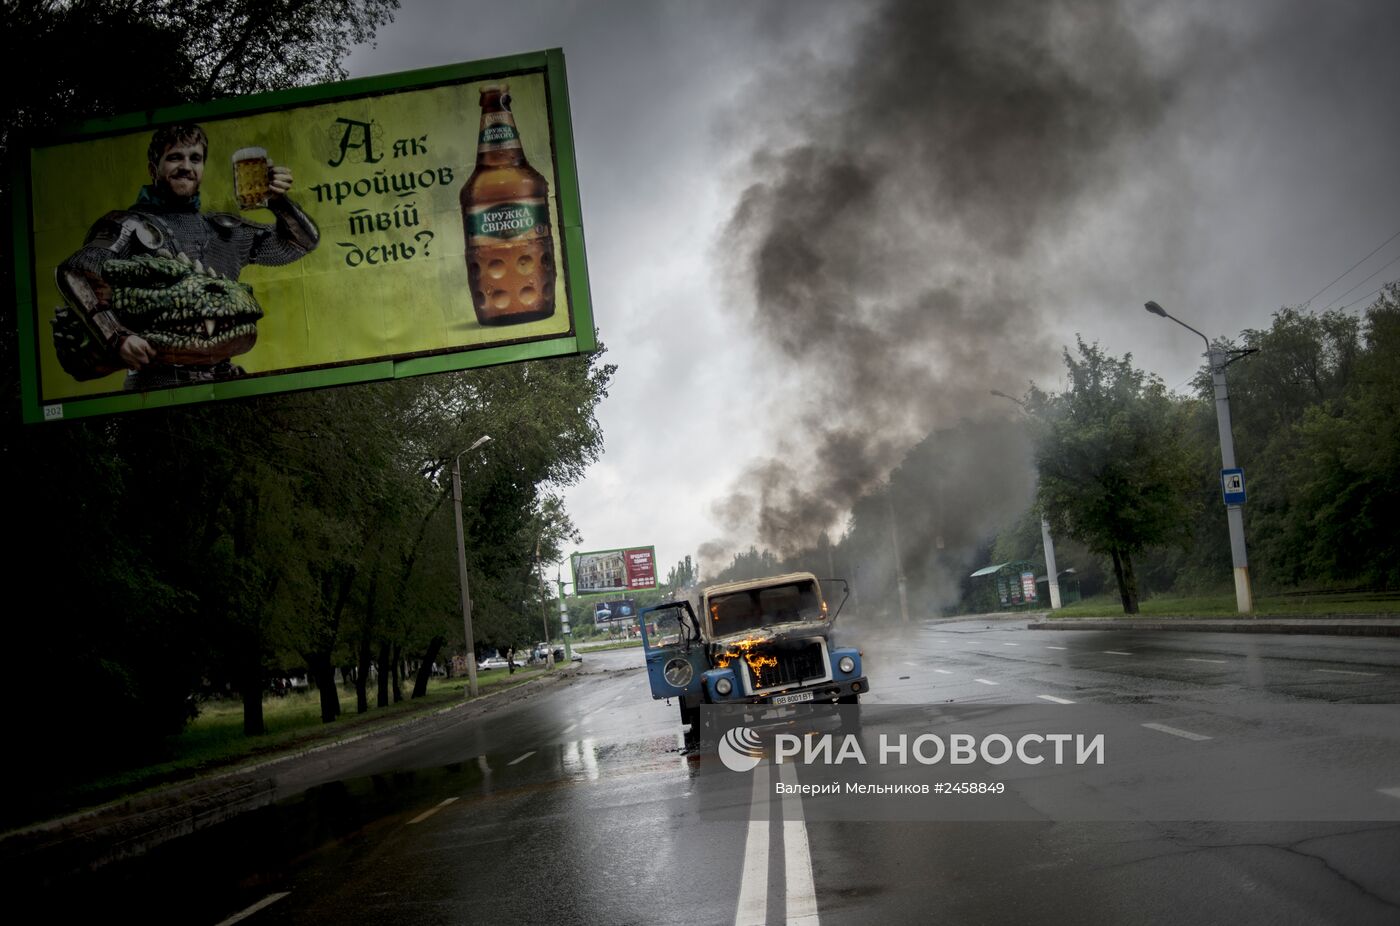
x: 1368, y: 296
x: 1352, y: 267
x: 1363, y: 282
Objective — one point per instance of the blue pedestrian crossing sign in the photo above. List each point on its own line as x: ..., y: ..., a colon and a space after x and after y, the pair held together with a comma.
x: 1232, y: 486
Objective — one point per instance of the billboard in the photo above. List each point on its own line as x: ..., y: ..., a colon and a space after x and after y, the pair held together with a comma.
x: 615, y: 611
x: 371, y: 229
x: 604, y: 571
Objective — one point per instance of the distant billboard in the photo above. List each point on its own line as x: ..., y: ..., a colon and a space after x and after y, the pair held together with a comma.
x: 604, y: 571
x: 615, y: 611
x: 373, y: 229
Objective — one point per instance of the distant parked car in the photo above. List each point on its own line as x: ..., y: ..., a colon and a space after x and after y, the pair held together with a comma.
x: 542, y: 652
x: 492, y: 662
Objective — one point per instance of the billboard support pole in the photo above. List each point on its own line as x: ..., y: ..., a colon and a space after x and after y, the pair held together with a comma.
x: 564, y: 622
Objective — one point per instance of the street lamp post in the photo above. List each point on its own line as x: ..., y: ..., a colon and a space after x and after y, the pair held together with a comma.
x: 1234, y: 511
x: 462, y: 565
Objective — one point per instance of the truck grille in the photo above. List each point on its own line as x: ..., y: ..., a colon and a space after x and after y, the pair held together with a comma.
x: 797, y: 662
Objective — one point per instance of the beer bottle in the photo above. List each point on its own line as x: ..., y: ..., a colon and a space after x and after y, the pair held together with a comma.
x: 505, y: 215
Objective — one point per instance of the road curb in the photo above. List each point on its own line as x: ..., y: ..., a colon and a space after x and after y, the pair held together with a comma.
x: 1339, y: 625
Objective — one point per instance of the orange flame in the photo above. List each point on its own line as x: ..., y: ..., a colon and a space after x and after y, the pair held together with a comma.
x: 757, y: 662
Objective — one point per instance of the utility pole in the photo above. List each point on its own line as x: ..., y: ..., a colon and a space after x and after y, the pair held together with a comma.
x: 1234, y: 511
x: 1052, y: 574
x: 544, y: 612
x: 898, y: 563
x: 466, y: 597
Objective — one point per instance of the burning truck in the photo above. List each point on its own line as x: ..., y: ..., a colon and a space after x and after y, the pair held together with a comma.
x: 761, y: 642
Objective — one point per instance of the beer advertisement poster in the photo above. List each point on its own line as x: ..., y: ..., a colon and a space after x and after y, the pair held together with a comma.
x: 384, y: 227
x: 607, y: 571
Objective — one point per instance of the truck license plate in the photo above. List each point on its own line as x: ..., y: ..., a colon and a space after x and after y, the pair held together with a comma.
x: 793, y: 698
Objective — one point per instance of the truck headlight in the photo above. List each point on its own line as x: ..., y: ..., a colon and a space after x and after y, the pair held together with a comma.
x: 847, y: 665
x: 723, y: 686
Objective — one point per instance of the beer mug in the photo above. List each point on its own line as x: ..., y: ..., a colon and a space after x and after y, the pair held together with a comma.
x: 251, y: 172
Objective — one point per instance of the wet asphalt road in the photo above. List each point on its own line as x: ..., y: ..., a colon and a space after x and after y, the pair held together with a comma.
x: 578, y: 805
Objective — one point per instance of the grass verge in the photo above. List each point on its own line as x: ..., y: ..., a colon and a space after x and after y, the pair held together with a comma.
x: 621, y: 644
x: 214, y: 741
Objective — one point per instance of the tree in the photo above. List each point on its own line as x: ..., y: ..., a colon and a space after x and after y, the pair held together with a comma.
x: 681, y: 576
x: 152, y: 526
x: 1113, y: 462
x: 222, y: 540
x: 1343, y: 471
x: 1303, y: 360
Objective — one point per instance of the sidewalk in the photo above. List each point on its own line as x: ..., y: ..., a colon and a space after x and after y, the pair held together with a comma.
x: 1348, y: 625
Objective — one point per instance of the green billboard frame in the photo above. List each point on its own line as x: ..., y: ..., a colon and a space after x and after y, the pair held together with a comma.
x: 579, y: 339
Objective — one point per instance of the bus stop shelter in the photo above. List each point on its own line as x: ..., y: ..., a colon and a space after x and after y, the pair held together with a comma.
x: 1006, y: 586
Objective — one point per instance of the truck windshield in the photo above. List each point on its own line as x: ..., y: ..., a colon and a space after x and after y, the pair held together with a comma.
x: 755, y: 608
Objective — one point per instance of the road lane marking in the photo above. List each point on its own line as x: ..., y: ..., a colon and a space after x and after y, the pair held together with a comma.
x: 797, y: 857
x: 1392, y: 792
x: 1054, y: 699
x: 914, y: 664
x: 1344, y: 672
x: 570, y: 727
x: 1011, y: 644
x: 753, y: 886
x: 1056, y: 647
x: 430, y: 811
x: 943, y: 672
x: 986, y: 681
x: 1219, y: 662
x: 1184, y: 734
x: 521, y: 758
x: 1114, y: 652
x: 266, y: 901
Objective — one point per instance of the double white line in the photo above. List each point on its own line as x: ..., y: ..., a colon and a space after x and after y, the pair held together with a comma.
x: 801, y: 896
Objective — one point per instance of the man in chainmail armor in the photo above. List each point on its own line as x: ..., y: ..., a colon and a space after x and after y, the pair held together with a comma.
x: 155, y: 287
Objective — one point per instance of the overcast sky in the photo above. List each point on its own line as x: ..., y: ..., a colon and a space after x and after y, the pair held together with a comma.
x: 817, y: 231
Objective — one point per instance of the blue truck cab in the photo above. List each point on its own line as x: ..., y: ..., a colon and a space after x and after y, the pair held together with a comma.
x: 760, y: 641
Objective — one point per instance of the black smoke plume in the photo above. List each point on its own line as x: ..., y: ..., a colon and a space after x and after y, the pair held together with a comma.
x: 891, y: 244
